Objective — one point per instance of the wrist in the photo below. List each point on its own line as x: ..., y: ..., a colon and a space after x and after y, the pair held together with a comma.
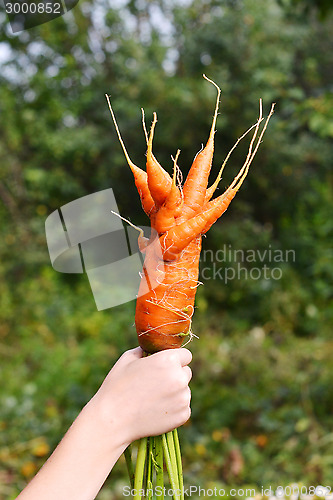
x: 107, y: 424
x: 83, y: 459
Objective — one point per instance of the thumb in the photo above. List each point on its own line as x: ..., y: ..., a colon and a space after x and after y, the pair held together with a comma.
x: 131, y: 355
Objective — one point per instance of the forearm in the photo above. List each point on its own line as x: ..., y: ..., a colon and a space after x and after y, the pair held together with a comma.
x: 82, y: 461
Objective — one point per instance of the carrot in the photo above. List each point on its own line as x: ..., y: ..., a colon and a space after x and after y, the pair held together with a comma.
x: 179, y: 216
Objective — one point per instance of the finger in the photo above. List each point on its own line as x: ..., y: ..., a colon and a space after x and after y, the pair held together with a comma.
x: 185, y: 356
x: 178, y: 355
x: 188, y: 373
x: 132, y: 354
x: 189, y: 396
x: 137, y: 352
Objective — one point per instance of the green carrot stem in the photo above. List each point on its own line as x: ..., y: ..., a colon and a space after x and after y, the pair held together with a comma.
x: 129, y: 463
x: 170, y: 468
x: 149, y: 481
x: 159, y: 465
x: 140, y: 467
x: 179, y: 463
x: 173, y: 458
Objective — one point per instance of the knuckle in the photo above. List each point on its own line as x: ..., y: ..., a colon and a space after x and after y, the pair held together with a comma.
x: 168, y: 358
x: 173, y: 357
x: 182, y: 382
x: 188, y: 372
x: 181, y: 419
x: 189, y: 395
x: 185, y: 415
x: 188, y: 354
x: 186, y: 398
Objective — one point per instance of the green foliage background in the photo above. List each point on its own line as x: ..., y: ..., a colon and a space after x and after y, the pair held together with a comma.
x: 262, y: 391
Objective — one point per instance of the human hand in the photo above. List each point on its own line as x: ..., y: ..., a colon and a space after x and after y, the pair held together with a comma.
x: 145, y: 396
x: 139, y: 397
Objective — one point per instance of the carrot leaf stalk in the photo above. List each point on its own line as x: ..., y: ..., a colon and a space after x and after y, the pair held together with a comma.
x: 140, y: 467
x: 159, y: 463
x: 180, y: 214
x: 179, y: 463
x: 129, y: 464
x: 149, y: 482
x: 171, y: 466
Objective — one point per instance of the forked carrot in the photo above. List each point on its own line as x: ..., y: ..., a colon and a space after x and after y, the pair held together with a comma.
x: 179, y: 215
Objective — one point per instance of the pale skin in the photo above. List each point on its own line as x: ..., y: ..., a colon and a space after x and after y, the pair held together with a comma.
x: 141, y: 396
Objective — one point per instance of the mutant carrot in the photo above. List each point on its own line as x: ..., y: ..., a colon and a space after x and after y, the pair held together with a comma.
x: 179, y: 216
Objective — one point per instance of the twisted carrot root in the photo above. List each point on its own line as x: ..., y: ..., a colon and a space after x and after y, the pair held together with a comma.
x: 180, y: 215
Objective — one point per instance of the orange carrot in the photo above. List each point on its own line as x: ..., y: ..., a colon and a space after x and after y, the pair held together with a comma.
x: 180, y: 216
